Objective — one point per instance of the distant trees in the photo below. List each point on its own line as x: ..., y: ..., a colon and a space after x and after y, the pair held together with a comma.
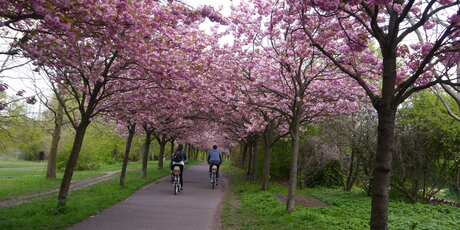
x: 427, y: 149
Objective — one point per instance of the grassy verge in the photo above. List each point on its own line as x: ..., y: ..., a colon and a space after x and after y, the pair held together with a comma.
x: 246, y: 207
x: 21, y: 164
x: 41, y: 214
x: 16, y: 182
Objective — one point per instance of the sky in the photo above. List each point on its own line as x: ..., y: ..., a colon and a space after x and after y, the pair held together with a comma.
x: 214, y: 3
x: 224, y: 5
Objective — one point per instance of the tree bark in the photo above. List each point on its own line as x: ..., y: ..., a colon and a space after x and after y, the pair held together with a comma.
x: 268, y: 142
x: 250, y: 152
x: 74, y: 153
x: 382, y: 170
x: 129, y: 140
x: 254, y: 160
x: 162, y: 144
x: 351, y: 171
x: 51, y: 168
x: 295, y: 135
x: 386, y: 109
x: 245, y: 152
x: 145, y: 155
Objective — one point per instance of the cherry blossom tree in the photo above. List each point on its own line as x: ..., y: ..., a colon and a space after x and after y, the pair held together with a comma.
x: 124, y: 115
x: 92, y: 57
x: 288, y: 76
x: 376, y: 38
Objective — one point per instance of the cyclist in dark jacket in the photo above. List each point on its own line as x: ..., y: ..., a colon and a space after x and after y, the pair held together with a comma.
x: 214, y: 158
x: 179, y: 163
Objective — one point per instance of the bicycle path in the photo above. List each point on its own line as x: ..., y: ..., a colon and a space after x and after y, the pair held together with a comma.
x: 155, y: 206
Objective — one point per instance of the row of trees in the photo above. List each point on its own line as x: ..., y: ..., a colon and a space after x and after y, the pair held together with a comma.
x: 147, y: 66
x: 340, y: 152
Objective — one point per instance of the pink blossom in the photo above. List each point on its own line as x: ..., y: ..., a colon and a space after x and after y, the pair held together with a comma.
x: 429, y: 25
x: 381, y: 2
x: 415, y: 46
x: 354, y: 2
x: 454, y: 19
x: 2, y: 106
x: 414, y: 10
x: 3, y: 87
x: 20, y: 93
x: 205, y: 11
x: 31, y: 100
x: 427, y: 47
x: 398, y: 8
x: 445, y: 2
x: 327, y: 5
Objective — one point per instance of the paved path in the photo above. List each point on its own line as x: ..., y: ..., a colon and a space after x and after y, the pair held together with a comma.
x: 156, y: 207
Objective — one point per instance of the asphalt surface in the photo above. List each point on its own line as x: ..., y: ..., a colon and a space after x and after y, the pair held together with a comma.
x: 156, y: 207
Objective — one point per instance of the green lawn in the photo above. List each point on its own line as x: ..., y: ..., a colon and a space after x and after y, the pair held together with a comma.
x: 21, y: 164
x: 41, y: 214
x: 15, y: 182
x: 348, y: 210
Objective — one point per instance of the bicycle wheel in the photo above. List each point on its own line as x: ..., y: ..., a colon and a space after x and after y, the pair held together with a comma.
x: 176, y: 185
x: 213, y: 180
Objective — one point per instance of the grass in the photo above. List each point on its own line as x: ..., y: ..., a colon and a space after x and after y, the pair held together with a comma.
x: 42, y: 214
x: 15, y: 182
x: 348, y: 210
x: 21, y: 164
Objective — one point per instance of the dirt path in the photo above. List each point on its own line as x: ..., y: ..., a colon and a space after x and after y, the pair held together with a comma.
x: 75, y: 185
x: 156, y: 207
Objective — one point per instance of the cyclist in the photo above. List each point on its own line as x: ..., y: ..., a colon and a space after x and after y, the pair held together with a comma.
x: 178, y: 158
x: 214, y: 158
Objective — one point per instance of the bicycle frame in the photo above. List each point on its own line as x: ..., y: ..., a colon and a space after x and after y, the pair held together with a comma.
x: 213, y: 176
x: 176, y: 183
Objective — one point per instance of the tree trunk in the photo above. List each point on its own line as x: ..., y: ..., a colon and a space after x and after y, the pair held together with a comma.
x: 268, y: 141
x: 51, y: 168
x: 382, y: 169
x: 74, y: 153
x: 250, y: 152
x: 386, y: 109
x: 245, y: 152
x: 129, y: 140
x: 141, y: 152
x: 145, y: 155
x: 351, y: 171
x: 254, y: 160
x: 162, y: 154
x: 172, y: 148
x: 295, y: 135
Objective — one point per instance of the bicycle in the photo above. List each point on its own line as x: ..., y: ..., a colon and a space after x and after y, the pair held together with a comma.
x: 213, y: 176
x: 176, y: 180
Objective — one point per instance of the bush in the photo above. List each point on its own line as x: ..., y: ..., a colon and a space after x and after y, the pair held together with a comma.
x: 280, y: 160
x: 426, y: 149
x: 329, y: 176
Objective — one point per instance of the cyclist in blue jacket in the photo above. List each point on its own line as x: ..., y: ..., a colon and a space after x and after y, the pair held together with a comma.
x: 214, y: 158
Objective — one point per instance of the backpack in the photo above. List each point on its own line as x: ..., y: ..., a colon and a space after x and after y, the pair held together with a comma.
x: 177, y: 156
